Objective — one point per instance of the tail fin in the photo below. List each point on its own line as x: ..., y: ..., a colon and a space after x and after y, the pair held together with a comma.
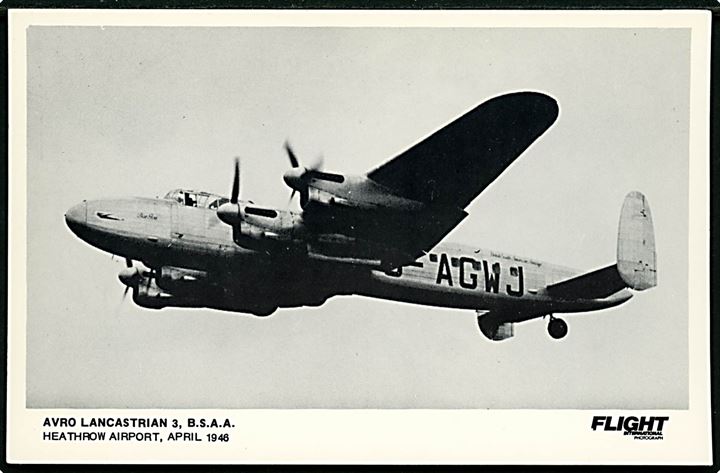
x: 636, y: 243
x: 635, y: 267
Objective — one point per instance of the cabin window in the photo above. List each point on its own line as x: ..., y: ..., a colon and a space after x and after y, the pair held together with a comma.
x: 433, y: 258
x: 190, y: 200
x: 476, y: 265
x: 454, y: 262
x: 202, y: 200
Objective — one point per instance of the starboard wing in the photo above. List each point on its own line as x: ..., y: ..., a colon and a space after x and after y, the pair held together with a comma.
x: 453, y: 165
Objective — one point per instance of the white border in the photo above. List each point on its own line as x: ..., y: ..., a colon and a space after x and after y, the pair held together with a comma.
x: 377, y: 436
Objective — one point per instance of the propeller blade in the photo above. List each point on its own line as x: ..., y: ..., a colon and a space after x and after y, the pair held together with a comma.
x: 293, y: 159
x: 127, y: 288
x: 236, y: 183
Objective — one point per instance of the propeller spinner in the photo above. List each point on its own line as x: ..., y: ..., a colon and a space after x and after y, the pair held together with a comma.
x: 129, y: 276
x: 298, y: 177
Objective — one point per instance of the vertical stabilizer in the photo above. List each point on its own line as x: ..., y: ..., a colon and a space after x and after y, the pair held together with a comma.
x: 636, y: 243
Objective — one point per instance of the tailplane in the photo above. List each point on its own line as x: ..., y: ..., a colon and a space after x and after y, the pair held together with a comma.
x: 636, y: 261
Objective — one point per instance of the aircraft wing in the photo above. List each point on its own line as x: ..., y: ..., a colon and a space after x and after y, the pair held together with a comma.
x: 453, y: 165
x: 404, y: 237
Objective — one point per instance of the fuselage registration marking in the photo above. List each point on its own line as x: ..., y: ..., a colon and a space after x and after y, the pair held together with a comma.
x: 467, y: 274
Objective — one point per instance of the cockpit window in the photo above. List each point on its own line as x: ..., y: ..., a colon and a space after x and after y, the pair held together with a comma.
x: 190, y: 200
x: 196, y: 199
x: 215, y: 204
x: 177, y: 195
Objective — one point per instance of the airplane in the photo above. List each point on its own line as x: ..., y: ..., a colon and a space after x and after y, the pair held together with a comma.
x: 377, y: 235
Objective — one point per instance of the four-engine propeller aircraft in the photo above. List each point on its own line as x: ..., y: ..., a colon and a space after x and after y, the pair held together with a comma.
x: 376, y: 235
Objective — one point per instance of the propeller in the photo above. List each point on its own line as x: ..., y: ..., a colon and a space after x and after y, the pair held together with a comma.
x: 299, y: 176
x: 230, y: 212
x: 236, y: 183
x: 291, y: 155
x: 130, y: 276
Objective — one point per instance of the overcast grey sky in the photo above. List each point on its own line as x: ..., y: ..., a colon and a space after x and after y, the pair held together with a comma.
x: 137, y: 111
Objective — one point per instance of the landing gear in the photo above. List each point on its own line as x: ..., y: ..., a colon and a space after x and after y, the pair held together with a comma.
x: 557, y: 328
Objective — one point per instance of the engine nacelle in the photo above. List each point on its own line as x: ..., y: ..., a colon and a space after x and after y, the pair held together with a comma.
x: 259, y: 239
x: 147, y: 294
x: 150, y: 295
x: 171, y: 278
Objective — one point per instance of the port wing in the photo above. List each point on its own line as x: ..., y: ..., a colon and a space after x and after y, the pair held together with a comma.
x: 453, y: 165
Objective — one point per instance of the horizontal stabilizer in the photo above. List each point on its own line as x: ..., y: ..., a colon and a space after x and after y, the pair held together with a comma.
x: 597, y: 284
x: 636, y: 243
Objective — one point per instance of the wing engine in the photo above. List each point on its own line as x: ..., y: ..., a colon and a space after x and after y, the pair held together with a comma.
x: 259, y: 228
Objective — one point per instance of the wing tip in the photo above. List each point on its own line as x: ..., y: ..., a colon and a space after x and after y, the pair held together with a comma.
x: 534, y: 101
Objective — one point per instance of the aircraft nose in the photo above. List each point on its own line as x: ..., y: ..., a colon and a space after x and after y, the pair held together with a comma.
x: 76, y: 217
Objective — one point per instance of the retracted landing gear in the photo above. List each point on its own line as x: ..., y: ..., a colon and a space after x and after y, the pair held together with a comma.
x: 557, y: 328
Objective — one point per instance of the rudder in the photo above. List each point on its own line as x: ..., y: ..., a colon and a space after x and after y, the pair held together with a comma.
x: 636, y: 259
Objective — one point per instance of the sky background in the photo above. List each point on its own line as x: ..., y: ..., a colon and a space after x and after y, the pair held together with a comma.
x: 119, y: 111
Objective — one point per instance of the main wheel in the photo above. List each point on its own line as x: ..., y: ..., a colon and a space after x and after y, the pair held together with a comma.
x: 557, y: 328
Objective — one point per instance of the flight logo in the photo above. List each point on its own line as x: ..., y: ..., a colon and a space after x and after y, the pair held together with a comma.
x: 639, y: 428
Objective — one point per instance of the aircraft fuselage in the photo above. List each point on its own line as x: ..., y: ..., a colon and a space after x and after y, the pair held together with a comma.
x: 163, y: 233
x: 379, y: 234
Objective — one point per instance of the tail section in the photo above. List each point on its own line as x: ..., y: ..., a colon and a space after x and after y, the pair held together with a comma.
x: 635, y: 267
x: 636, y: 261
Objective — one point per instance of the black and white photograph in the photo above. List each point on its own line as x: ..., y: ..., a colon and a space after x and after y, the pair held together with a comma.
x: 390, y: 217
